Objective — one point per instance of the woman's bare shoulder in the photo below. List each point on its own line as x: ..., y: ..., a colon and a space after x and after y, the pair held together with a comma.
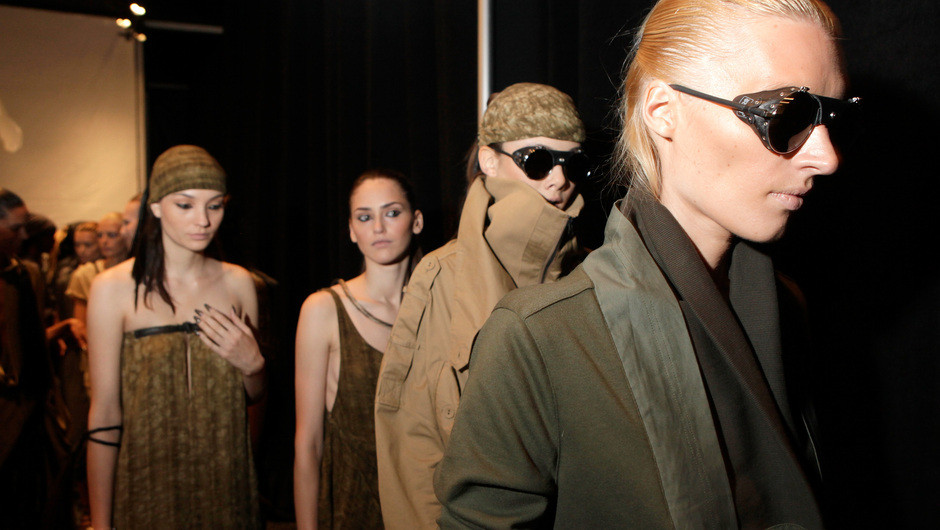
x: 318, y: 307
x: 237, y: 276
x: 117, y: 277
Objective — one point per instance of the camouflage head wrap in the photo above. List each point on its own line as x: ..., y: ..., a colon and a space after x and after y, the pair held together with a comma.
x: 527, y: 110
x: 185, y: 167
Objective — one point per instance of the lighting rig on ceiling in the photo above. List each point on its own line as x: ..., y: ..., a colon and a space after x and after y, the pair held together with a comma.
x: 134, y: 25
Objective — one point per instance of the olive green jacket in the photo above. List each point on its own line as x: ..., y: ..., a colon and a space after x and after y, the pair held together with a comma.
x: 509, y: 237
x: 586, y: 408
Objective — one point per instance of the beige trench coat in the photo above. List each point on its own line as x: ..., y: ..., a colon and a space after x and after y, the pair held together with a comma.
x: 509, y: 237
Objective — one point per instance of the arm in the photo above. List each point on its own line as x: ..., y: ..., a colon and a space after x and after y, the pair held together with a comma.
x: 69, y: 327
x: 75, y: 326
x: 316, y: 336
x: 499, y: 467
x: 105, y: 335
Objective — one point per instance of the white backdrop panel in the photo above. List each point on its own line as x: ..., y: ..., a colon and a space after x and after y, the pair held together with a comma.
x: 69, y: 82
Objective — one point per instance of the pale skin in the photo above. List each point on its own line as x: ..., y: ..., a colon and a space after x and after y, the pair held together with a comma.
x: 129, y: 222
x: 113, y: 251
x: 382, y: 225
x: 718, y: 180
x: 86, y: 246
x: 189, y: 220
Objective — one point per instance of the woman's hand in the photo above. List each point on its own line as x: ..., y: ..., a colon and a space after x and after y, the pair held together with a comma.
x: 229, y: 336
x: 70, y: 328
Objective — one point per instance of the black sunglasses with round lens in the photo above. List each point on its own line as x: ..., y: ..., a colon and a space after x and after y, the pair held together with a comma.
x: 784, y: 118
x: 537, y: 162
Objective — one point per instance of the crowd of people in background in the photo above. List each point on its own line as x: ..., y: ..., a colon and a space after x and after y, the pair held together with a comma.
x: 654, y: 382
x: 46, y: 397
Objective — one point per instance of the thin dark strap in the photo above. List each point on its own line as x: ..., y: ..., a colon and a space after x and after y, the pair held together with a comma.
x: 185, y: 327
x: 104, y: 429
x: 359, y: 306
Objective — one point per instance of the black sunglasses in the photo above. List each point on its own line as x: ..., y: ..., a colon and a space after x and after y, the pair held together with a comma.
x: 537, y: 162
x: 784, y: 118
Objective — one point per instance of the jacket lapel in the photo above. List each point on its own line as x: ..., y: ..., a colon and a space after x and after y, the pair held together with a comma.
x: 696, y: 287
x: 649, y: 332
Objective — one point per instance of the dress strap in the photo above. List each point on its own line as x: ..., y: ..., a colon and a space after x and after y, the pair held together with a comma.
x: 360, y: 307
x: 185, y: 327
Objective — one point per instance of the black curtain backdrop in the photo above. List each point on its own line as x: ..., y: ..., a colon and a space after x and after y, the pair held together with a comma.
x: 297, y: 97
x: 319, y: 92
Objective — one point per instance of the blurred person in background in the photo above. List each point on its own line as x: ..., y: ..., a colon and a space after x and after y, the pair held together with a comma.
x: 129, y: 220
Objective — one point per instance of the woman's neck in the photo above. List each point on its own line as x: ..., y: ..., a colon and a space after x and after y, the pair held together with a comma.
x: 181, y: 262
x: 384, y: 283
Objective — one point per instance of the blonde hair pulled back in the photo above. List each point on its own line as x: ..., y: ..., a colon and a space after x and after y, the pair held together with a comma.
x: 675, y: 36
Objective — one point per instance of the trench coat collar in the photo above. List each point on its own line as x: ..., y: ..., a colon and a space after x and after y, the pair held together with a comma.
x: 649, y: 332
x: 509, y: 236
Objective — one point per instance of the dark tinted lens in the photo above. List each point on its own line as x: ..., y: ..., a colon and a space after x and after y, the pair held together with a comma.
x: 538, y: 164
x: 793, y: 123
x: 577, y: 167
x: 844, y: 121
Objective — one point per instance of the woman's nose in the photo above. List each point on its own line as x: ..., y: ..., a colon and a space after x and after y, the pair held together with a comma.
x: 556, y: 178
x: 203, y: 219
x: 819, y: 153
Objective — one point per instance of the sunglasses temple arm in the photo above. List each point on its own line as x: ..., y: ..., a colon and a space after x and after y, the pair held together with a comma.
x: 723, y: 102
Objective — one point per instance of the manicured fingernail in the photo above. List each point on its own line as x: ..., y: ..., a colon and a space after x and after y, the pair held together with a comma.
x: 199, y: 312
x: 208, y: 307
x: 196, y: 319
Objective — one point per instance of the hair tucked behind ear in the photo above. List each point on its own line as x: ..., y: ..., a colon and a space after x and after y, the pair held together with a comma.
x: 669, y: 45
x: 415, y: 253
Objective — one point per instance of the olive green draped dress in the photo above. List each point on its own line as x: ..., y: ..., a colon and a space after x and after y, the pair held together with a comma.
x: 349, y: 490
x: 185, y: 457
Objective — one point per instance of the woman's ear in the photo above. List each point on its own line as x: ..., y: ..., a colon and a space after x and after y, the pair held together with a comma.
x: 658, y: 108
x: 418, y: 224
x: 156, y: 210
x: 352, y: 235
x: 489, y: 160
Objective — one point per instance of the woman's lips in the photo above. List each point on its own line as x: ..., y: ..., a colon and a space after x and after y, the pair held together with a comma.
x: 790, y: 200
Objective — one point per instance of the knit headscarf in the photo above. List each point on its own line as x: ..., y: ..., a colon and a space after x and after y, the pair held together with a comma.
x: 185, y: 167
x: 527, y: 110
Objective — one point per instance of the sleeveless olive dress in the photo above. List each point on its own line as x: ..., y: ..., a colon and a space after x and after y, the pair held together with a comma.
x: 349, y: 489
x: 185, y: 456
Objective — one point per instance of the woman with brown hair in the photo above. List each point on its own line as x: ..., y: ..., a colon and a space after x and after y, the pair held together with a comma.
x: 341, y: 336
x: 173, y: 363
